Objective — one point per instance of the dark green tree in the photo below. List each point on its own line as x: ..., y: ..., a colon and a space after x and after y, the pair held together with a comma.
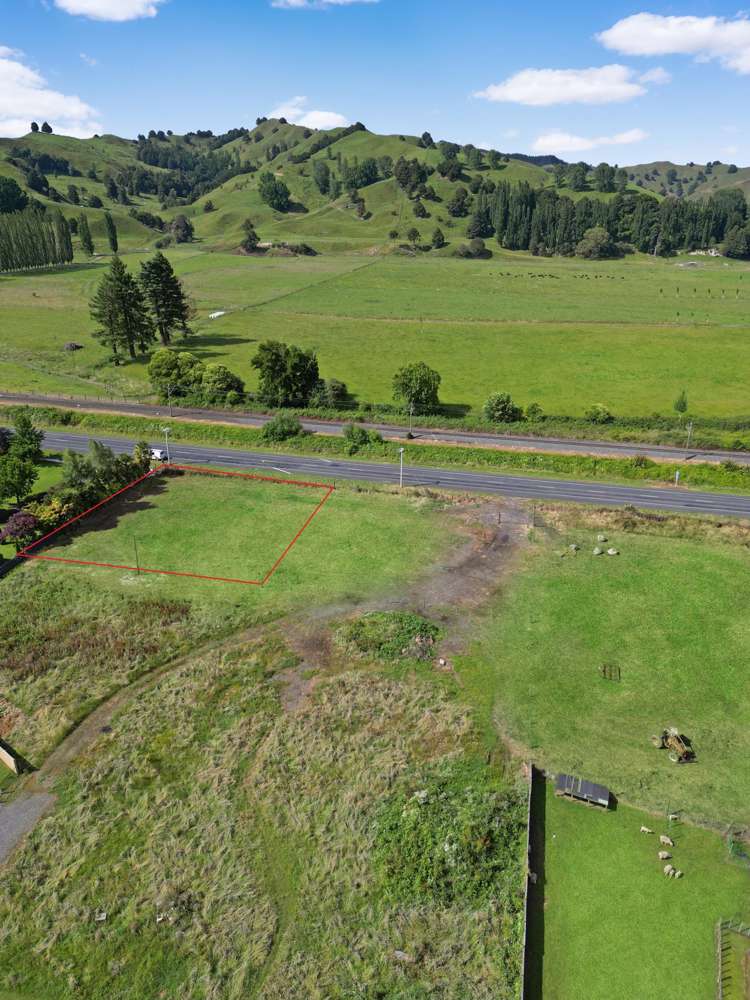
x: 46, y: 127
x: 12, y: 197
x: 681, y: 404
x: 604, y: 178
x: 274, y: 192
x: 166, y: 297
x: 84, y: 235
x: 34, y: 127
x: 109, y: 224
x: 438, y: 239
x: 287, y: 374
x: 182, y: 229
x: 251, y: 239
x: 120, y: 309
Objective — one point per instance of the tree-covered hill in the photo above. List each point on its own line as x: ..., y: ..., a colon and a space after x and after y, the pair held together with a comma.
x: 341, y: 189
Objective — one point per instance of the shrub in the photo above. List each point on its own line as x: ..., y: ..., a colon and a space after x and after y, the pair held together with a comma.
x: 388, y: 635
x: 599, y: 414
x: 501, y: 409
x: 282, y: 427
x: 453, y: 836
x: 534, y: 412
x: 358, y: 437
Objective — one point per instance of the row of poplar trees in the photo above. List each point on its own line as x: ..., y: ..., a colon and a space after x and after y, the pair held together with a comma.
x: 32, y: 239
x: 133, y: 312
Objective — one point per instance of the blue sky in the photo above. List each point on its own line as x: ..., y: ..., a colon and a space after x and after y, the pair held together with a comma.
x: 617, y: 82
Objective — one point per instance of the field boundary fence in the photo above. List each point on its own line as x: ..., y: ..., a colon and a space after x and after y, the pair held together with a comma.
x: 527, y: 881
x: 725, y: 979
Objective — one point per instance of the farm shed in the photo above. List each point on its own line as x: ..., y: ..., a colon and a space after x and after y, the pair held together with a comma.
x: 584, y: 791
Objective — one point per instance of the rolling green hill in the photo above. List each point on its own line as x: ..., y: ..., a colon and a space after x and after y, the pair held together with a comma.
x: 691, y: 180
x: 218, y: 209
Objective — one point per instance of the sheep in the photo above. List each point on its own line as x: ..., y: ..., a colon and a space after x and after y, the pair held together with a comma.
x: 678, y: 873
x: 645, y: 829
x: 666, y: 841
x: 664, y: 855
x: 669, y: 870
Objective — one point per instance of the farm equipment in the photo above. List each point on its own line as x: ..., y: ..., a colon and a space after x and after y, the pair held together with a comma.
x: 679, y: 747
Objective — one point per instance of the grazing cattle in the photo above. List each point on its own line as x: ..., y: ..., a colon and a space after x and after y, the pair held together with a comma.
x: 645, y: 829
x: 666, y: 841
x: 669, y: 870
x: 664, y: 855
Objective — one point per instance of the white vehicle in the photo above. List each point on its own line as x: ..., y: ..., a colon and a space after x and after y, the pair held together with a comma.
x: 158, y: 455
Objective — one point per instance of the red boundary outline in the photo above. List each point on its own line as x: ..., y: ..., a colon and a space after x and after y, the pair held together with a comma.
x: 26, y: 553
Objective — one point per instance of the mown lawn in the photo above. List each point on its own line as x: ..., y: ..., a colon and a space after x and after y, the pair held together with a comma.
x: 612, y: 925
x: 564, y: 333
x: 671, y: 614
x: 222, y: 526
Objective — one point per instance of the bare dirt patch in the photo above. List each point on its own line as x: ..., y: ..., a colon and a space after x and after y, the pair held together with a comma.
x: 445, y: 593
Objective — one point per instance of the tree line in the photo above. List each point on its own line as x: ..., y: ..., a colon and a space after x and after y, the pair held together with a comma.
x: 34, y: 237
x: 545, y: 222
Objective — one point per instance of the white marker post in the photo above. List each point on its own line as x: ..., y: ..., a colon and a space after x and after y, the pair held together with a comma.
x: 401, y: 468
x: 166, y: 442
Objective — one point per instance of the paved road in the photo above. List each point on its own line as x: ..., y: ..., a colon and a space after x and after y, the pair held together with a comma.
x: 666, y: 498
x: 527, y: 442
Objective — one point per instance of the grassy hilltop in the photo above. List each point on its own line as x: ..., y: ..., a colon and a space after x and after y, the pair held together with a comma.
x: 274, y: 146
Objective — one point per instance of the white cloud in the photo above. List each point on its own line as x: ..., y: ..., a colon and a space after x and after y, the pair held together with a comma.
x: 25, y: 97
x: 315, y: 4
x: 563, y: 142
x: 656, y: 75
x: 544, y: 87
x: 295, y: 110
x: 703, y: 37
x: 511, y: 133
x: 110, y: 10
x: 89, y: 60
x: 8, y: 53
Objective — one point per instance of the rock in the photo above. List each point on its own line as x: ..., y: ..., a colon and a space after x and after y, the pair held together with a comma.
x: 403, y: 956
x: 601, y: 538
x: 598, y: 551
x: 101, y: 916
x: 574, y: 547
x: 72, y: 346
x: 612, y: 552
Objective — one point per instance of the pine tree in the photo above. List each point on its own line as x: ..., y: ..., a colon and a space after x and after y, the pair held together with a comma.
x: 84, y: 235
x: 109, y: 223
x: 166, y: 297
x: 120, y: 308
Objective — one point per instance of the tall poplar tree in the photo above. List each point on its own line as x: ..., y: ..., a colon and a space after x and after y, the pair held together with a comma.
x: 84, y: 235
x: 109, y: 222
